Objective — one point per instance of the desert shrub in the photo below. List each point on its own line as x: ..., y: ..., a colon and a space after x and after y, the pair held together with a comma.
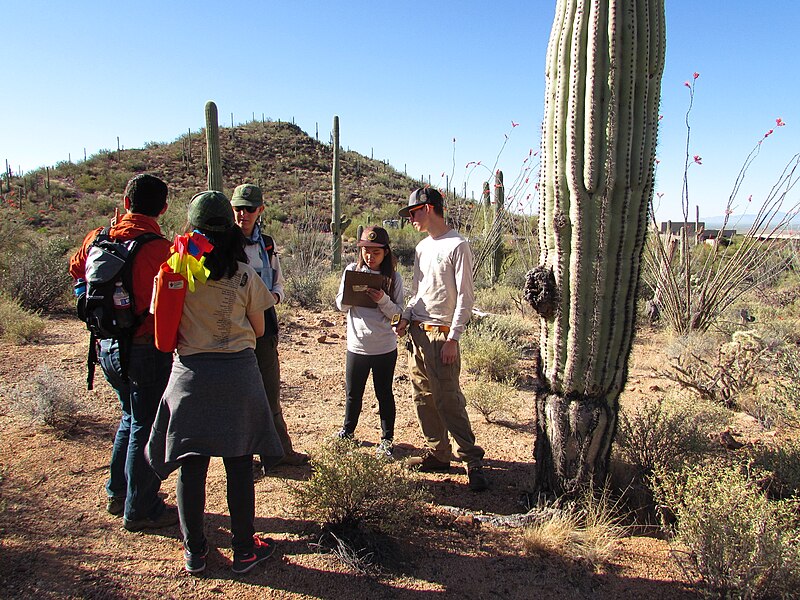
x: 517, y: 331
x: 37, y: 276
x: 52, y: 402
x: 738, y: 543
x: 305, y: 264
x: 490, y: 356
x: 329, y: 287
x: 777, y: 468
x: 489, y: 398
x: 666, y: 431
x: 18, y: 325
x: 499, y: 299
x: 586, y: 530
x: 351, y: 489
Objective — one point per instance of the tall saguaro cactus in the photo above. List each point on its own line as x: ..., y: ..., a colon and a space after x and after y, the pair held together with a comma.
x: 213, y: 158
x: 338, y: 222
x: 496, y: 261
x: 605, y: 59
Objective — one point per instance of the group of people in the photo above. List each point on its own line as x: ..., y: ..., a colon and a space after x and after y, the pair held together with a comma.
x: 218, y: 394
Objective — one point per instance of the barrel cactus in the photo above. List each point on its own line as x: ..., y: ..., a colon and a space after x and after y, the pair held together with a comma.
x: 213, y: 158
x: 603, y: 81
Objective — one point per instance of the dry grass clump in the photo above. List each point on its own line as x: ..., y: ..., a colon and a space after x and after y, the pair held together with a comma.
x: 587, y: 531
x: 19, y: 325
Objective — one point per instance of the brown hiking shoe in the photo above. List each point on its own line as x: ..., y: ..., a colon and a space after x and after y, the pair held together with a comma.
x: 294, y: 459
x: 427, y: 463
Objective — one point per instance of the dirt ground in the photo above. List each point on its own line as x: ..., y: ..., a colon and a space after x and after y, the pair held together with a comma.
x: 57, y: 541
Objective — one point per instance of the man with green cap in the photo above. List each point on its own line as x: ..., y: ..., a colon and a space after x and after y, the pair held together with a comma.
x: 248, y: 204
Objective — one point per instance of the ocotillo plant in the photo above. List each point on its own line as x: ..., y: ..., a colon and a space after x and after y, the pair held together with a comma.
x: 213, y: 158
x: 496, y: 261
x: 338, y: 222
x: 603, y: 82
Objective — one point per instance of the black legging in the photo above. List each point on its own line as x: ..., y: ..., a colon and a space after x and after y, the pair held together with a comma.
x: 356, y: 373
x: 191, y: 493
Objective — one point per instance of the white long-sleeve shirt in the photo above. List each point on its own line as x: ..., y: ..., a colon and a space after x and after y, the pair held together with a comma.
x: 369, y: 330
x: 442, y: 290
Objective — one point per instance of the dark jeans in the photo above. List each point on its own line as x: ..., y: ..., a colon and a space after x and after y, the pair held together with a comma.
x: 130, y: 475
x: 191, y: 492
x: 356, y: 372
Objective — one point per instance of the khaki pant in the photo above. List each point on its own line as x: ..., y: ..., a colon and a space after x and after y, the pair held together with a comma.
x: 441, y: 406
x: 267, y: 355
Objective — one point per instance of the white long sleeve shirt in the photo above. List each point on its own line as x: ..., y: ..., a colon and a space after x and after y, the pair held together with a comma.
x: 442, y: 290
x: 369, y: 330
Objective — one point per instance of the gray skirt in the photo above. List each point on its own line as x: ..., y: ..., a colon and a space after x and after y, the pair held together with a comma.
x: 214, y: 405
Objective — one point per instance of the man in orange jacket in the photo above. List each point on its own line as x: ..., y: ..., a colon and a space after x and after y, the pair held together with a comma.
x: 132, y: 485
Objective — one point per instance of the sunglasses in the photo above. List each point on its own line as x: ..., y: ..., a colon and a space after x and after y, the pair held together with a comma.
x: 250, y: 209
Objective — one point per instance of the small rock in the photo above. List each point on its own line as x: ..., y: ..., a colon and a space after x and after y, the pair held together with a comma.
x: 654, y: 388
x: 324, y: 323
x: 728, y: 441
x: 308, y: 374
x: 466, y: 521
x: 303, y: 334
x: 321, y: 339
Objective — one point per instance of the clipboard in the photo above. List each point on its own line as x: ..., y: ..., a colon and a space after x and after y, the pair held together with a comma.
x: 355, y: 288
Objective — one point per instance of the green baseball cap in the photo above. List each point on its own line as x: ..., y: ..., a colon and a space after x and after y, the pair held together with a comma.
x: 247, y: 194
x: 210, y: 211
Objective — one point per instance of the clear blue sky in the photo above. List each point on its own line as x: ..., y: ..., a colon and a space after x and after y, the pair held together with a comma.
x: 405, y: 78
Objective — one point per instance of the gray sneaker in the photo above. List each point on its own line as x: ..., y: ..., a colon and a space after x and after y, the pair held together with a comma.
x: 385, y: 449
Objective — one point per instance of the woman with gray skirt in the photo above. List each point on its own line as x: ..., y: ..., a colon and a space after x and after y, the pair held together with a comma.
x: 215, y: 404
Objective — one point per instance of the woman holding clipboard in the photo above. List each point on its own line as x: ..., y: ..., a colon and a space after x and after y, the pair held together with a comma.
x: 370, y: 304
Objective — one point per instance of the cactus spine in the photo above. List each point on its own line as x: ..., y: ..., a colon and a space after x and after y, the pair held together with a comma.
x: 603, y: 80
x: 338, y: 222
x: 213, y: 158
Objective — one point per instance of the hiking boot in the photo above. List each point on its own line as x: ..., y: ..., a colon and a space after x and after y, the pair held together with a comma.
x: 384, y: 449
x: 116, y: 505
x: 262, y: 550
x: 195, y: 562
x: 167, y: 518
x: 294, y: 459
x: 427, y: 463
x: 477, y: 479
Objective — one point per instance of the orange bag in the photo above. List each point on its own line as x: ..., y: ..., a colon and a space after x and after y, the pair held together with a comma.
x: 169, y: 291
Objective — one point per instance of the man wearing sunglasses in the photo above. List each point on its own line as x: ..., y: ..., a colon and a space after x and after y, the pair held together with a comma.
x: 441, y: 304
x: 247, y: 206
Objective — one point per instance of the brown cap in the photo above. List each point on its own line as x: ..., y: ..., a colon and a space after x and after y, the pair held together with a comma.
x: 374, y: 237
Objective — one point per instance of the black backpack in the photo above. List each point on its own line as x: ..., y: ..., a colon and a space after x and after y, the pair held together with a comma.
x: 109, y: 262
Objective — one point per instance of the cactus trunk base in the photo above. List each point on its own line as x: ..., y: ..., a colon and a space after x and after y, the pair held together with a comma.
x: 573, y: 442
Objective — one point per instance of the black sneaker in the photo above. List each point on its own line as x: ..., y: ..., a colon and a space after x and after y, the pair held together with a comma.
x: 477, y: 479
x: 195, y: 562
x: 167, y: 518
x: 116, y: 505
x: 262, y: 550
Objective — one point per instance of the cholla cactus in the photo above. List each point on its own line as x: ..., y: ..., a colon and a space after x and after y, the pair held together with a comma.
x: 603, y: 72
x: 213, y: 158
